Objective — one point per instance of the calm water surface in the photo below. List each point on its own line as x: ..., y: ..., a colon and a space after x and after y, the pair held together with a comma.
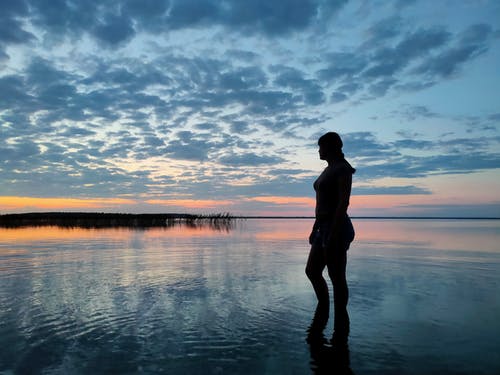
x: 424, y: 300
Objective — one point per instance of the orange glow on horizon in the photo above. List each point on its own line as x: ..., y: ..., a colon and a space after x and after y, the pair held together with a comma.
x: 296, y: 201
x: 361, y: 205
x: 292, y: 205
x: 19, y: 203
x: 388, y: 201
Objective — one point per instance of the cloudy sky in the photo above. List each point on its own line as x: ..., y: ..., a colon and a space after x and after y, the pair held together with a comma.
x: 216, y: 106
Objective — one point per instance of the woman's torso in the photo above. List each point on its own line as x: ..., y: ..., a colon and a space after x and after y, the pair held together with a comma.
x: 327, y: 189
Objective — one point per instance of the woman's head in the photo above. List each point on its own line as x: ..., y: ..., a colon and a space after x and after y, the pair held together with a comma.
x: 330, y: 146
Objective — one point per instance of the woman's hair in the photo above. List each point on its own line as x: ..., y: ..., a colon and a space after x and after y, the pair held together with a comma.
x: 333, y: 143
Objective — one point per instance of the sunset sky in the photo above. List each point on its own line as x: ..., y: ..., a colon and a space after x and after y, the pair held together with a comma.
x: 216, y: 106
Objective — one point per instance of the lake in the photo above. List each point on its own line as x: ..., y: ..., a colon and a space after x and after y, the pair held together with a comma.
x: 424, y: 299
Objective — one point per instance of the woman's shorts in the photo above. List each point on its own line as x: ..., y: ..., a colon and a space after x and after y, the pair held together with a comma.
x: 346, y: 234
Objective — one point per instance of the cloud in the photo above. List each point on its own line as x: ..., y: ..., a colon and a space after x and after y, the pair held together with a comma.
x: 114, y: 30
x: 390, y: 190
x: 389, y: 61
x: 490, y: 210
x: 250, y: 159
x: 114, y: 23
x: 476, y: 34
x: 240, y: 79
x: 74, y: 131
x: 472, y: 43
x: 462, y: 163
x: 11, y: 32
x: 374, y: 159
x: 192, y: 13
x: 188, y: 145
x: 13, y: 94
x: 18, y: 153
x: 132, y: 77
x: 365, y: 146
x: 11, y: 27
x: 384, y: 30
x: 342, y: 65
x: 239, y: 126
x: 395, y: 57
x: 146, y: 8
x: 3, y: 55
x: 61, y: 17
x: 291, y: 78
x: 416, y: 112
x: 413, y: 144
x: 269, y: 18
x: 338, y: 97
x: 229, y: 93
x: 448, y: 63
x: 191, y: 203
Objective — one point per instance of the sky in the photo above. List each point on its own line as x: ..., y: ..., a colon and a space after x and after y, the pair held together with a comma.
x: 208, y: 106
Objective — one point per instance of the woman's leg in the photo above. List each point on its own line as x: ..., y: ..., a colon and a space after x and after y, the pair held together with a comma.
x: 337, y: 262
x: 314, y: 270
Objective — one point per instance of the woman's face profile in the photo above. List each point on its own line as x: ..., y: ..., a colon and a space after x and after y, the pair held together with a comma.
x: 322, y: 152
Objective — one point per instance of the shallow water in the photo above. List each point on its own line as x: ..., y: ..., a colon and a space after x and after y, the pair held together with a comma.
x: 424, y: 299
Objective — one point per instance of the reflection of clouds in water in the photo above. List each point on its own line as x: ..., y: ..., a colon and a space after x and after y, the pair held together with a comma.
x: 209, y: 301
x: 184, y: 300
x: 412, y: 303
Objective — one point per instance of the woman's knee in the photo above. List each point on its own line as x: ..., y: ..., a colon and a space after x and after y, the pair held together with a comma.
x: 337, y: 275
x: 313, y: 273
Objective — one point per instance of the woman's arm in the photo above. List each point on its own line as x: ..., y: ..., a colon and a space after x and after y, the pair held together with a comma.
x: 344, y: 190
x: 313, y: 232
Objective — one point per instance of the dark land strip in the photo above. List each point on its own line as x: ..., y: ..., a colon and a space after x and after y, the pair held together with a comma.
x: 110, y: 220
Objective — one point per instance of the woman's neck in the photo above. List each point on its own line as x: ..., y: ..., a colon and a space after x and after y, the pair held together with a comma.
x: 332, y: 162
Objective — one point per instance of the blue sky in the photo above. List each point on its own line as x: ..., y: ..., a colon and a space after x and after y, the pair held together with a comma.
x: 210, y: 106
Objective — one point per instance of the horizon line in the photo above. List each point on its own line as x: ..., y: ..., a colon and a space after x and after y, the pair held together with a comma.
x: 230, y: 216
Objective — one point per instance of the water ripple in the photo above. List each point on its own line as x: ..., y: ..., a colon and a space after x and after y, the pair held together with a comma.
x: 150, y: 302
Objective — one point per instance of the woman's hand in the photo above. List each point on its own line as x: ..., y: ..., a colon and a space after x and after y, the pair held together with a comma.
x: 331, y: 241
x: 312, y: 236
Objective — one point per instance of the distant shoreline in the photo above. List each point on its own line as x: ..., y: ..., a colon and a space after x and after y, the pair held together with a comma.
x: 378, y: 217
x: 109, y: 220
x: 105, y: 220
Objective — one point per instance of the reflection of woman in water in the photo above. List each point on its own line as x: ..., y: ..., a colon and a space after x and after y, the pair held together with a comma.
x: 332, y: 233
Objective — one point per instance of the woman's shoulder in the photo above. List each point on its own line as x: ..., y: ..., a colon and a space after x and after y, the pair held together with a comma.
x: 343, y: 167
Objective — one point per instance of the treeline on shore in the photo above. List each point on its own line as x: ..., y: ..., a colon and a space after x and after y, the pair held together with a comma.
x: 106, y: 220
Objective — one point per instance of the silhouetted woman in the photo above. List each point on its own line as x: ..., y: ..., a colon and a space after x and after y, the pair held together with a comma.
x: 332, y: 234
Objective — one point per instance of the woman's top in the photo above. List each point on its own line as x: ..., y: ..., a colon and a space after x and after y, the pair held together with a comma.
x: 327, y: 189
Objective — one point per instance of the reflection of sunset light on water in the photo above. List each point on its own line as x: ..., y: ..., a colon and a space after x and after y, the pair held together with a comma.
x: 183, y: 231
x: 90, y: 289
x: 421, y: 233
x: 467, y: 235
x: 438, y: 234
x: 143, y: 253
x: 35, y: 234
x: 284, y: 230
